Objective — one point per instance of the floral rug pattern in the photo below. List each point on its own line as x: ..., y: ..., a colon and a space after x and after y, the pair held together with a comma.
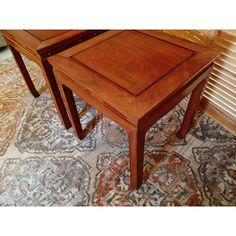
x: 218, y: 172
x: 11, y: 112
x: 161, y: 133
x: 43, y: 164
x: 208, y: 130
x: 12, y: 84
x: 60, y: 181
x: 169, y: 181
x: 42, y: 131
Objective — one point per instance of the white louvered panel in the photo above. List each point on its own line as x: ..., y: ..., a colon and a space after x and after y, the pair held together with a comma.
x: 226, y: 93
x: 225, y: 43
x: 220, y: 90
x: 228, y: 59
x: 220, y: 104
x: 226, y: 65
x: 216, y: 93
x: 224, y: 50
x: 224, y: 75
x: 195, y: 36
x: 222, y: 85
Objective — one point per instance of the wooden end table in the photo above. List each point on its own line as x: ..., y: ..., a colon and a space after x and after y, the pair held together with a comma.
x: 38, y: 45
x: 134, y: 78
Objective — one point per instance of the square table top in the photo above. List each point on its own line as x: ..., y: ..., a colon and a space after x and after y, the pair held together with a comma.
x: 133, y: 71
x: 133, y: 60
x: 47, y: 41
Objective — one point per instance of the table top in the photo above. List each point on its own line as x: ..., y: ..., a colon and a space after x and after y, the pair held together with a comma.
x: 133, y: 71
x: 133, y: 60
x: 45, y: 41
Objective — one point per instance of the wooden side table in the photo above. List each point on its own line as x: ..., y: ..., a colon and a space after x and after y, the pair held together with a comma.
x: 38, y: 45
x: 134, y: 78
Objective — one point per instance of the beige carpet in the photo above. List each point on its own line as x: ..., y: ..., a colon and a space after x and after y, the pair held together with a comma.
x: 43, y: 164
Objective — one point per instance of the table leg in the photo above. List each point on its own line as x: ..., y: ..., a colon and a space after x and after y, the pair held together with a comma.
x: 72, y: 110
x: 55, y: 93
x: 136, y: 153
x: 191, y: 109
x: 24, y: 71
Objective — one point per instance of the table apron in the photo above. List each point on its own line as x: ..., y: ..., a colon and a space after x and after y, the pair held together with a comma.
x: 168, y: 104
x: 145, y: 122
x: 23, y: 50
x: 100, y: 105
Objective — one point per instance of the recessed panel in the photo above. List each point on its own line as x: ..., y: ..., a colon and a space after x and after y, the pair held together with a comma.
x: 133, y: 60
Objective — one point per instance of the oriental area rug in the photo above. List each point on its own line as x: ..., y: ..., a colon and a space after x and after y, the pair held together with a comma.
x: 43, y: 164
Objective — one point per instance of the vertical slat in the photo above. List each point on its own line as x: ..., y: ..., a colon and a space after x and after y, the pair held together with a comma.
x: 222, y: 92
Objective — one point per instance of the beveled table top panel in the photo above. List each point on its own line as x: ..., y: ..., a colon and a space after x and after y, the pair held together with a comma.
x: 133, y: 60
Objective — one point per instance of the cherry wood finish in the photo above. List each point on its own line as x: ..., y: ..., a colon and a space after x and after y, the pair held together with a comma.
x: 129, y: 59
x: 24, y: 72
x: 136, y: 149
x: 134, y: 78
x: 72, y: 110
x: 38, y: 45
x: 193, y: 105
